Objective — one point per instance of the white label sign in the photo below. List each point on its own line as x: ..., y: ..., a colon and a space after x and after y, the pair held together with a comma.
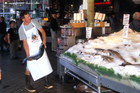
x: 125, y: 31
x: 126, y: 18
x: 88, y: 32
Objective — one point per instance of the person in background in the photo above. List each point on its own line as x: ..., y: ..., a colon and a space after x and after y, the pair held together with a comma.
x: 2, y: 32
x: 135, y: 24
x: 54, y: 29
x: 28, y: 33
x: 13, y: 40
x: 113, y: 22
x: 59, y: 21
x: 66, y: 19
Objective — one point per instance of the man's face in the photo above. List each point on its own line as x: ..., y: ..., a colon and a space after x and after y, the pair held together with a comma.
x: 27, y: 18
x: 54, y: 15
x: 58, y: 15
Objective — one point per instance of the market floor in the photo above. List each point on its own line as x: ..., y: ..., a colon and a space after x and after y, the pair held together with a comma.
x: 13, y: 75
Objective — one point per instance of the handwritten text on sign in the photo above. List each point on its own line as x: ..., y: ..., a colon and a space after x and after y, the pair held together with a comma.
x: 88, y: 32
x: 125, y: 31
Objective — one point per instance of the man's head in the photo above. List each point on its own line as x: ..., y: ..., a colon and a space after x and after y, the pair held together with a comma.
x: 58, y: 15
x: 54, y: 15
x: 2, y: 19
x: 67, y: 16
x: 136, y: 16
x: 25, y: 17
x: 12, y: 24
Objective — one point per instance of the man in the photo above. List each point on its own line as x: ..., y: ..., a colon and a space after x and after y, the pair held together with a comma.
x: 135, y: 24
x: 28, y: 33
x: 59, y: 21
x: 54, y: 30
x: 2, y: 32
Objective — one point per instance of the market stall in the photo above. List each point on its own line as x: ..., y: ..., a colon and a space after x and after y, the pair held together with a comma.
x: 111, y: 61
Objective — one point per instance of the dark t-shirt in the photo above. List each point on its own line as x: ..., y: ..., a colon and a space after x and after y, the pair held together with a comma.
x: 13, y: 34
x: 135, y: 25
x: 54, y: 24
x: 2, y: 28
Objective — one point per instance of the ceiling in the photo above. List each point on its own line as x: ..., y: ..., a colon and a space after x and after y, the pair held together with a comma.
x: 136, y: 1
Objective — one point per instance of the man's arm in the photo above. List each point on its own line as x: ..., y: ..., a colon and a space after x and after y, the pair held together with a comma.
x: 43, y: 36
x: 26, y: 48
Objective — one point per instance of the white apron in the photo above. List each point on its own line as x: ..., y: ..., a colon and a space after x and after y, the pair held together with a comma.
x: 41, y: 67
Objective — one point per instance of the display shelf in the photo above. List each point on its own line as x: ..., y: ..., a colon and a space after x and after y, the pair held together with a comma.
x: 66, y: 65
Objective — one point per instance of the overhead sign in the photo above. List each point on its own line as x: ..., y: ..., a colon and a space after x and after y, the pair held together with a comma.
x: 103, y: 3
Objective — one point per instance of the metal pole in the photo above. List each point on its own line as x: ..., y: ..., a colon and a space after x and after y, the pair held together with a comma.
x: 31, y: 5
x: 3, y: 8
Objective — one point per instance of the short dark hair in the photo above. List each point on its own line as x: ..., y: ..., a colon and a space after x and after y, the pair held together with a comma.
x: 12, y: 22
x: 2, y: 19
x: 22, y: 14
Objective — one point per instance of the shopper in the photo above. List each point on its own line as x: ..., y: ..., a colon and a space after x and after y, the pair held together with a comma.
x: 54, y: 29
x: 2, y: 32
x: 28, y: 33
x: 135, y: 24
x: 66, y: 19
x: 59, y: 21
x: 113, y: 22
x: 13, y: 40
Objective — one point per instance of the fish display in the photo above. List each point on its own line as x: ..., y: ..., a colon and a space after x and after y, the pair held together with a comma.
x: 112, y: 51
x: 37, y: 56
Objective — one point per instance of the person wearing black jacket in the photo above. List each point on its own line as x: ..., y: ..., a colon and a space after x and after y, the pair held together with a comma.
x: 135, y: 24
x: 54, y: 28
x: 2, y: 32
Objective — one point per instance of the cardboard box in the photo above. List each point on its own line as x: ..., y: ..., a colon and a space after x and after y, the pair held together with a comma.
x: 99, y: 24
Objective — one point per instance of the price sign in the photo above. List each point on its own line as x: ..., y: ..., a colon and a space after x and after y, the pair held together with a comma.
x: 126, y: 18
x: 88, y: 32
x: 125, y: 31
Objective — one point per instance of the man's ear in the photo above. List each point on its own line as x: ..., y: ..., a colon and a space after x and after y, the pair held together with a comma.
x: 23, y: 20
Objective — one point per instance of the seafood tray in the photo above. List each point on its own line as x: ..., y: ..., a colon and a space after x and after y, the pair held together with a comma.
x: 97, y: 78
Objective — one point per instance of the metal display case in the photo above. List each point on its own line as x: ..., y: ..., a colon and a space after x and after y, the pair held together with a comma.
x: 65, y: 65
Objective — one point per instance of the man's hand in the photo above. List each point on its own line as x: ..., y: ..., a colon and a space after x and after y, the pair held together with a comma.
x: 45, y: 44
x: 43, y: 36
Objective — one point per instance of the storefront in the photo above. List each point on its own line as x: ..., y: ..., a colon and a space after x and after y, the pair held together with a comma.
x: 10, y: 9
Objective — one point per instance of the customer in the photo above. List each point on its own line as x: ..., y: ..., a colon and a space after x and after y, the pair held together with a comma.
x: 28, y: 33
x: 66, y: 19
x: 135, y: 24
x: 113, y: 22
x: 13, y: 40
x: 59, y: 21
x: 54, y: 29
x: 2, y: 32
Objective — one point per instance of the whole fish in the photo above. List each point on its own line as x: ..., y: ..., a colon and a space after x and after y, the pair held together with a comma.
x: 117, y: 55
x: 107, y: 58
x: 37, y: 56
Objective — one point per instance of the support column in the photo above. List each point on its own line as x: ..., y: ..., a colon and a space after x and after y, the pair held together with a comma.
x: 90, y: 14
